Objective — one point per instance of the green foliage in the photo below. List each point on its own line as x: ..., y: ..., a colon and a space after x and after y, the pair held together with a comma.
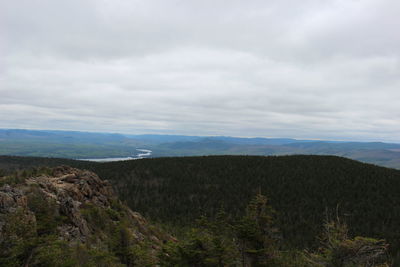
x: 128, y: 250
x: 257, y: 234
x: 112, y: 227
x: 290, y: 258
x: 98, y: 258
x: 97, y: 218
x: 338, y: 250
x: 30, y: 237
x: 21, y: 242
x: 198, y: 249
x: 46, y: 212
x: 250, y: 241
x: 20, y: 245
x: 177, y: 191
x: 19, y: 176
x: 12, y: 179
x: 53, y: 252
x: 17, y: 238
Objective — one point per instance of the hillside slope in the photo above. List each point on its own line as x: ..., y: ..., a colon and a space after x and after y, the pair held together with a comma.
x: 300, y: 187
x: 176, y: 191
x: 68, y: 217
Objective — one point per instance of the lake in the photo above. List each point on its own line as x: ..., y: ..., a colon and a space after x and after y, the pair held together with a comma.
x: 141, y: 154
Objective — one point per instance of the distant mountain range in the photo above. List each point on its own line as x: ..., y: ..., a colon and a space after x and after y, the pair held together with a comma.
x: 78, y: 145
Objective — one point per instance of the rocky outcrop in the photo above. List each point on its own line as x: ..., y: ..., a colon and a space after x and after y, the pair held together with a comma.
x: 84, y: 201
x: 70, y: 183
x: 10, y: 199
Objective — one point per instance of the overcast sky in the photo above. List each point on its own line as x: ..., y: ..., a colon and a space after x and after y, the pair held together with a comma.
x: 315, y: 69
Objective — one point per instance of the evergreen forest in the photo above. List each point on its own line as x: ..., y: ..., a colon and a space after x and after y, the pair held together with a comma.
x: 311, y: 209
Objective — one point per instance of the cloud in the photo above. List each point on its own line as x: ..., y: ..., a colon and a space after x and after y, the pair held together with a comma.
x: 315, y: 69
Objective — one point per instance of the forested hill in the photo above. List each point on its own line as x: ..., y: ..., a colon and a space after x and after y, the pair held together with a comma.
x: 176, y: 191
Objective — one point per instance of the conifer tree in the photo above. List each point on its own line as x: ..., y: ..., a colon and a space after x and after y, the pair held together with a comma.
x: 256, y: 234
x: 338, y: 250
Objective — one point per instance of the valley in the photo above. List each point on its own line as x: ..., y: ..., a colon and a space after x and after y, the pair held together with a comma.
x: 111, y: 146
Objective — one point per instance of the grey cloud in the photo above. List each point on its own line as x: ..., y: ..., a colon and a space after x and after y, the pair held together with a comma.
x: 315, y: 69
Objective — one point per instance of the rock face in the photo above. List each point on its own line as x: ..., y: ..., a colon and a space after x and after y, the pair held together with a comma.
x: 85, y: 207
x: 71, y: 188
x: 10, y: 199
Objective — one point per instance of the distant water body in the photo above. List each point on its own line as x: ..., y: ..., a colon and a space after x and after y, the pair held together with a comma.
x: 142, y: 153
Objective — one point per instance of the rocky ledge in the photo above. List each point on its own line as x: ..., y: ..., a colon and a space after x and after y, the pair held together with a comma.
x: 77, y: 207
